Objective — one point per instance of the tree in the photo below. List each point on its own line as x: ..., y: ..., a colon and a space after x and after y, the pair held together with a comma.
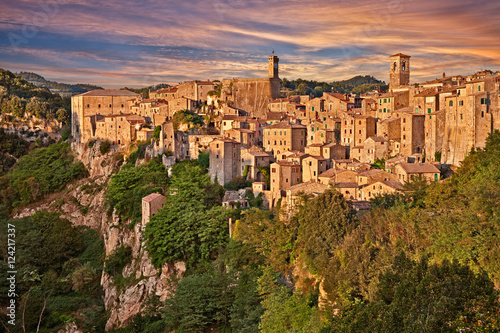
x: 420, y: 297
x: 62, y: 115
x: 192, y: 225
x: 323, y: 222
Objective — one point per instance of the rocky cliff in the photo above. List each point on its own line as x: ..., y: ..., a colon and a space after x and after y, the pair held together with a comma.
x: 83, y: 203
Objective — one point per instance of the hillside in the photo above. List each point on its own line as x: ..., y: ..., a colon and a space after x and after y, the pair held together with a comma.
x: 22, y: 99
x: 63, y: 89
x: 357, y: 85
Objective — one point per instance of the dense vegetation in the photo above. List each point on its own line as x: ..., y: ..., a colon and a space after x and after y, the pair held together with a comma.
x: 63, y: 89
x: 42, y: 171
x: 21, y: 98
x: 193, y: 224
x: 12, y: 147
x: 59, y: 270
x: 357, y: 85
x: 127, y: 188
x: 425, y: 261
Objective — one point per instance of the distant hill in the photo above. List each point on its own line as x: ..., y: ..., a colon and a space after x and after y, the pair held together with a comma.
x: 63, y: 89
x: 357, y: 85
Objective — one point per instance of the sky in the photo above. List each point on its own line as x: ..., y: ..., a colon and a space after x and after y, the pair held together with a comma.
x: 117, y: 43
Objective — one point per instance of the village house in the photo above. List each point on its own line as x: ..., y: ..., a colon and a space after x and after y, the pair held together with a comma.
x: 224, y: 160
x: 297, y: 193
x: 312, y: 166
x: 151, y: 204
x: 374, y: 147
x: 284, y: 174
x: 371, y: 191
x: 374, y: 175
x: 251, y: 162
x: 284, y: 136
x: 406, y: 172
x: 356, y: 129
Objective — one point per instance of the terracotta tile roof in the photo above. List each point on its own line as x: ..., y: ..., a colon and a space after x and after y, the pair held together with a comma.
x: 410, y: 168
x: 165, y: 90
x: 428, y: 93
x: 308, y: 188
x: 391, y: 119
x: 152, y: 197
x: 372, y: 172
x: 110, y: 92
x: 285, y: 125
x: 274, y: 116
x: 400, y: 55
x: 257, y: 153
x: 328, y: 173
x: 347, y: 185
x: 229, y: 117
x: 319, y: 158
x: 287, y: 163
x: 377, y: 139
x: 337, y: 95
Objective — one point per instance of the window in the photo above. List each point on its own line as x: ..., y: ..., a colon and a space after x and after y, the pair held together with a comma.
x: 109, y: 105
x: 379, y: 110
x: 359, y: 131
x: 312, y: 109
x: 88, y: 105
x: 385, y: 100
x: 482, y: 114
x: 122, y: 105
x: 312, y: 138
x: 312, y: 128
x: 98, y: 105
x: 404, y: 120
x: 416, y: 110
x: 404, y: 137
x: 451, y: 103
x: 385, y: 110
x: 429, y: 110
x: 478, y: 88
x: 460, y: 103
x: 461, y: 117
x: 484, y: 101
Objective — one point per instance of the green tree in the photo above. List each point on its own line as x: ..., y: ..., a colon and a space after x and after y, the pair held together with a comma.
x: 323, y: 222
x: 192, y: 225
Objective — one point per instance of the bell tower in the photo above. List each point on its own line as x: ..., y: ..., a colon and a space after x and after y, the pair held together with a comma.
x: 399, y: 70
x: 273, y: 67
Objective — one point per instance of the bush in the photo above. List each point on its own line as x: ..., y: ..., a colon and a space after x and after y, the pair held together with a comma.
x: 118, y: 259
x: 105, y: 145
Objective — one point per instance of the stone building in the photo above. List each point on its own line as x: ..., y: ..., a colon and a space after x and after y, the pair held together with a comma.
x: 399, y: 71
x: 253, y: 95
x: 391, y: 102
x: 405, y: 172
x: 374, y: 147
x: 253, y: 160
x: 284, y: 175
x: 356, y: 129
x: 371, y: 191
x: 151, y: 204
x: 225, y: 157
x: 389, y: 128
x: 284, y: 136
x: 312, y: 167
x: 434, y: 135
x: 244, y: 136
x: 412, y: 133
x: 105, y: 102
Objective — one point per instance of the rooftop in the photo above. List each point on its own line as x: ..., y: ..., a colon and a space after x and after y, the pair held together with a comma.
x: 152, y: 197
x: 419, y: 168
x: 110, y: 92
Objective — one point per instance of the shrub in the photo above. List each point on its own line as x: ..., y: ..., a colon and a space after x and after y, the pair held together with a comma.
x: 105, y: 145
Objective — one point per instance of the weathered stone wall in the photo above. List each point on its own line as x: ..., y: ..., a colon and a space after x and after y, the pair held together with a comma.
x: 252, y: 95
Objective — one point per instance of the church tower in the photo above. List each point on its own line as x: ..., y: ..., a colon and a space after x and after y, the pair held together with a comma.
x: 400, y: 71
x: 273, y: 67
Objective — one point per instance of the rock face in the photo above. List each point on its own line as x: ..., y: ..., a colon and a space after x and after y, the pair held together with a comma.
x: 83, y: 203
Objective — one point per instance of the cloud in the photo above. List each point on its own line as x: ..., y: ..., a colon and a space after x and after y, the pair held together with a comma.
x: 116, y: 43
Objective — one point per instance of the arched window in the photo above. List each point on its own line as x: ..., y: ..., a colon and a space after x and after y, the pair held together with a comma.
x: 404, y: 66
x: 395, y: 66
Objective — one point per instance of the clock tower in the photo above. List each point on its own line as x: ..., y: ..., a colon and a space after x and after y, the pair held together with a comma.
x: 273, y: 67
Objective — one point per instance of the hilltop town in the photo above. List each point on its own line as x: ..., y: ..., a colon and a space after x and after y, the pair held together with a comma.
x: 363, y: 145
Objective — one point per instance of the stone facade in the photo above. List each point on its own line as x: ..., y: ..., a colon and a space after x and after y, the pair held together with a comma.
x: 284, y: 136
x: 225, y: 157
x: 399, y: 72
x: 97, y: 103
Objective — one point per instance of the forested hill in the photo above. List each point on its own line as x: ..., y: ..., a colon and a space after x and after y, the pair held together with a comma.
x: 21, y: 98
x: 56, y: 87
x: 358, y: 85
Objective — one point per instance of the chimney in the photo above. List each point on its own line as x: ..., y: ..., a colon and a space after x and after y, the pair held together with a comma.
x: 444, y: 75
